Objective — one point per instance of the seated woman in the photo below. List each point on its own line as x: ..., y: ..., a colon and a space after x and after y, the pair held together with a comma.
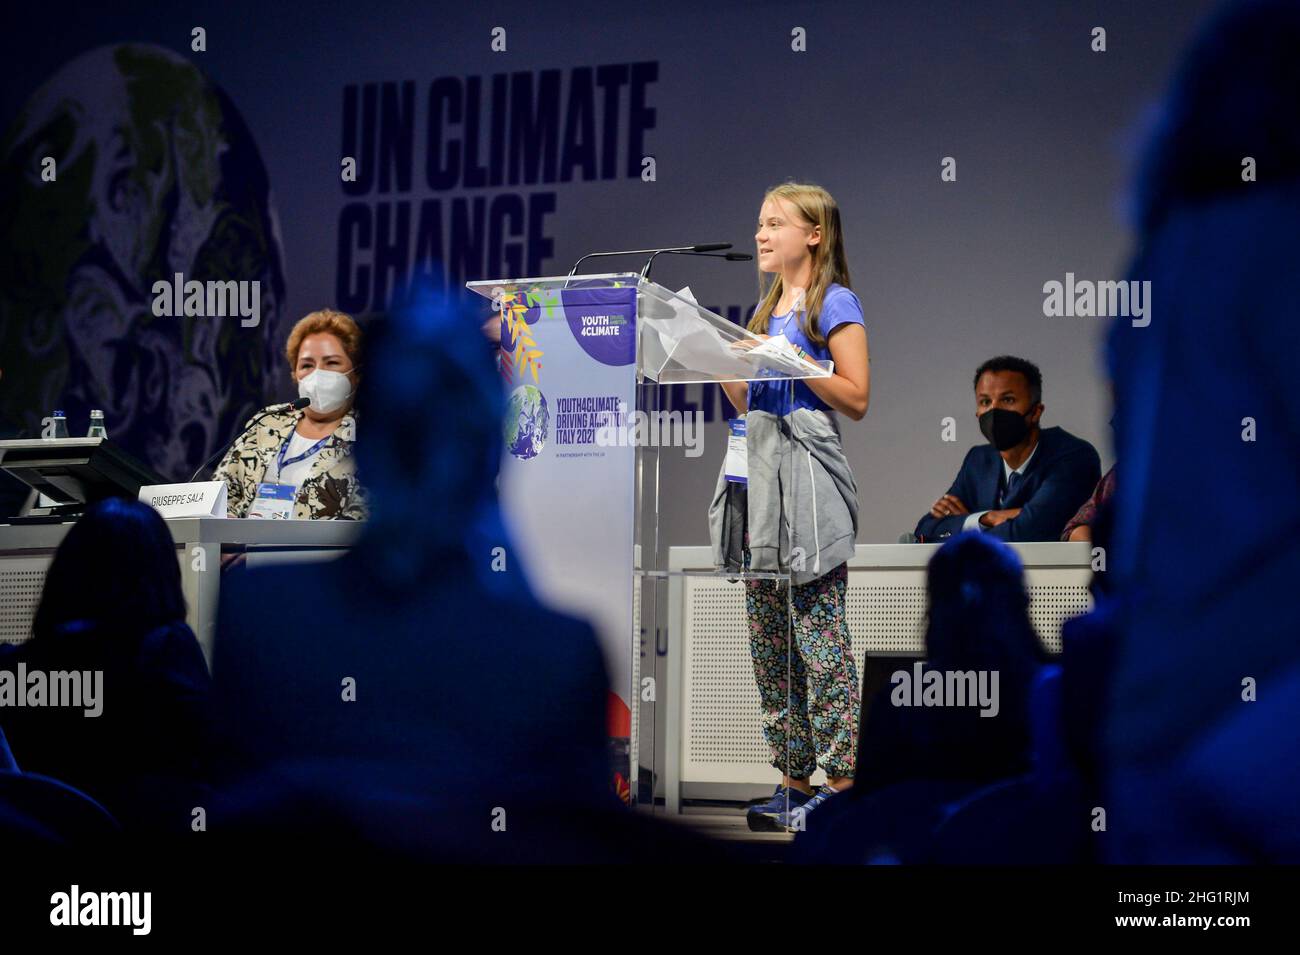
x: 112, y: 604
x: 1080, y: 527
x: 299, y: 464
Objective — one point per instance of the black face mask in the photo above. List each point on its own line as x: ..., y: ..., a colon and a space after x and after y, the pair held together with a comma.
x: 1004, y: 428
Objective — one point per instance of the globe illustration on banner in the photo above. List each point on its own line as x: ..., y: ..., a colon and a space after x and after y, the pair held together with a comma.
x: 528, y: 422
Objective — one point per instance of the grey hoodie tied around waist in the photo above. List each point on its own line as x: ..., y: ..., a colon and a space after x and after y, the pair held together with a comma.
x: 800, y: 506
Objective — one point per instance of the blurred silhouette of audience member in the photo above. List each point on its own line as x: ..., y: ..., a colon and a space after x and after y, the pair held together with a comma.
x: 412, y: 698
x: 1207, y: 519
x: 978, y: 623
x: 112, y: 604
x: 1089, y: 644
x: 1046, y: 816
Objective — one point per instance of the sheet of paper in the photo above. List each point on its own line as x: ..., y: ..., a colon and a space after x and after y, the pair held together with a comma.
x: 685, y: 341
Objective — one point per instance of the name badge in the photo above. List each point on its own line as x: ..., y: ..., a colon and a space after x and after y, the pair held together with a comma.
x: 737, y: 464
x: 202, y: 499
x: 274, y: 502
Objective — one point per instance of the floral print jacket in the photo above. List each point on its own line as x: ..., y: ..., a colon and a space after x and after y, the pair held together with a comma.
x: 330, y: 490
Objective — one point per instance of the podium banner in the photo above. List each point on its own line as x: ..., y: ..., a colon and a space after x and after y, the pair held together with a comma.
x: 568, y: 357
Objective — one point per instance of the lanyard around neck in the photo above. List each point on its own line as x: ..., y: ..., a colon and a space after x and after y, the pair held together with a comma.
x: 284, y: 449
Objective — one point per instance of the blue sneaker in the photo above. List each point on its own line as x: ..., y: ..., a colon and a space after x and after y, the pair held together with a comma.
x: 763, y: 817
x: 796, y: 818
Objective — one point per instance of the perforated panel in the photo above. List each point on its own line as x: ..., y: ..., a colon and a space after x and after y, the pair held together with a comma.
x: 722, y: 738
x: 721, y: 721
x: 20, y: 592
x: 886, y: 611
x: 1050, y: 605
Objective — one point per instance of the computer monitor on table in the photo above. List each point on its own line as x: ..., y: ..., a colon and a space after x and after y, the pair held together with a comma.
x: 71, y: 473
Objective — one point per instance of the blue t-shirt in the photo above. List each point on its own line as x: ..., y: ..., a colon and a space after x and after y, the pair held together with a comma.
x: 840, y: 306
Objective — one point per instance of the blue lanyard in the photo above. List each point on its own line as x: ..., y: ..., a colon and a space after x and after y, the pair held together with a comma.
x: 284, y: 449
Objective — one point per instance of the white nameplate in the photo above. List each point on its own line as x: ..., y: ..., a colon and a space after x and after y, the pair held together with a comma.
x: 202, y: 499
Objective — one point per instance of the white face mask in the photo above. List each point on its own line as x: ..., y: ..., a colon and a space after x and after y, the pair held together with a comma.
x: 328, y: 390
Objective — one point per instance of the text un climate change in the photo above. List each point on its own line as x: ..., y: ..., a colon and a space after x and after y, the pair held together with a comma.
x: 412, y: 143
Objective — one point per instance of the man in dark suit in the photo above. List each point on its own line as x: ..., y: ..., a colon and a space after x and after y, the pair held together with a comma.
x: 1027, y: 482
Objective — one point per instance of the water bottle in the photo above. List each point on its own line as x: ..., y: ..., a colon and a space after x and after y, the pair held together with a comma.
x: 97, y: 429
x: 60, y: 425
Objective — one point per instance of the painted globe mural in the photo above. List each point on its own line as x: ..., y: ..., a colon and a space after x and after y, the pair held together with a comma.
x: 154, y: 173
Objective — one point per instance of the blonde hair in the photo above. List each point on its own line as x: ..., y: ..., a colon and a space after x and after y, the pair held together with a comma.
x: 326, y: 320
x: 829, y: 263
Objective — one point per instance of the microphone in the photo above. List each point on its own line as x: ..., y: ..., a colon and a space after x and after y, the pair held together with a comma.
x: 700, y: 247
x: 296, y: 405
x: 730, y: 256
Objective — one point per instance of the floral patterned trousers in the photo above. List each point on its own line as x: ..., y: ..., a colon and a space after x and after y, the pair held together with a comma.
x: 809, y: 694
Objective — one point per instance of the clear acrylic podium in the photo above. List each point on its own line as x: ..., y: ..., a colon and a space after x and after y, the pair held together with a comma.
x: 663, y: 338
